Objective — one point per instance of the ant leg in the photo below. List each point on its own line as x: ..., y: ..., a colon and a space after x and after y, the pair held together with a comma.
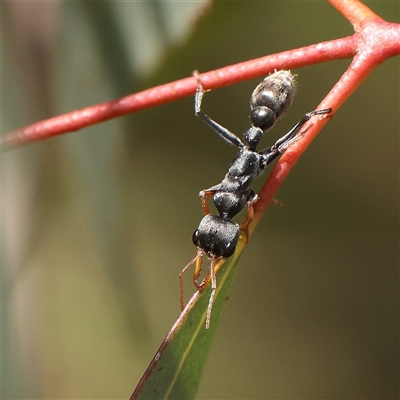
x: 224, y: 133
x: 213, y: 289
x: 196, y: 259
x: 271, y: 153
x: 244, y: 227
x: 216, y: 263
x: 196, y: 274
x: 204, y: 204
x: 208, y: 193
x: 286, y: 138
x: 283, y: 146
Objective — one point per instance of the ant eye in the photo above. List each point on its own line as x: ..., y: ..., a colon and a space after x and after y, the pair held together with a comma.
x: 229, y: 249
x: 196, y: 237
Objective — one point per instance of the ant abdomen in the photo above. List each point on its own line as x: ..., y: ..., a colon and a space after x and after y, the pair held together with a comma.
x: 271, y: 99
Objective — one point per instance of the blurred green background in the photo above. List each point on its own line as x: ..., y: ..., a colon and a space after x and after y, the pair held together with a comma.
x: 97, y: 224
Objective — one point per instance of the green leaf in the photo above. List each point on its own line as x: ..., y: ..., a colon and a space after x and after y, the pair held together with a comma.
x: 176, y: 369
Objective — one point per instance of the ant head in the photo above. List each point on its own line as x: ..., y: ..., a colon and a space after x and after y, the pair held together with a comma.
x: 216, y: 237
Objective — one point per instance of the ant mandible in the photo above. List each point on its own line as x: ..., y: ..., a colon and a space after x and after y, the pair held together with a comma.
x: 217, y: 235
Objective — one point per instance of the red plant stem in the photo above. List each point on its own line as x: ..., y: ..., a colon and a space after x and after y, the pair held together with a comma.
x: 375, y: 40
x: 316, y: 53
x: 354, y: 11
x: 372, y: 50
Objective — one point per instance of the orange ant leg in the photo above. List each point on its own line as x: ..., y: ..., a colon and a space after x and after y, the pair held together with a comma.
x: 216, y: 263
x: 244, y: 227
x: 196, y: 274
x: 198, y: 257
x: 213, y: 289
x: 203, y: 197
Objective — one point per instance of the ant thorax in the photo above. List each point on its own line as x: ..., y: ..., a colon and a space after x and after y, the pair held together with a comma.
x: 244, y: 166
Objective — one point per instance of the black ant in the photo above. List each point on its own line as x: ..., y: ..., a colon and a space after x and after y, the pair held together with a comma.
x: 217, y: 235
